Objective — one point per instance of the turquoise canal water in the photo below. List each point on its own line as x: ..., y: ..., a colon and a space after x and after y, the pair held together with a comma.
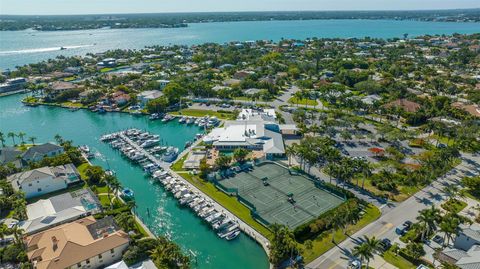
x: 166, y: 217
x: 23, y: 47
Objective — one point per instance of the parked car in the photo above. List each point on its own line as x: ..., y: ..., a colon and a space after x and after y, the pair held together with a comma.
x: 438, y: 239
x: 385, y: 244
x: 402, y: 229
x: 354, y: 264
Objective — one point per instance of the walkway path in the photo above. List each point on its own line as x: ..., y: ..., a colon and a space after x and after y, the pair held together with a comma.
x: 166, y: 166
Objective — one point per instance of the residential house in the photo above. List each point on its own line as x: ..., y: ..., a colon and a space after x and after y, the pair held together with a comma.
x: 146, y: 96
x: 147, y: 264
x: 404, y: 104
x: 120, y: 98
x: 13, y: 84
x: 473, y: 110
x: 58, y: 87
x: 163, y: 83
x: 243, y: 74
x: 467, y: 237
x: 107, y: 62
x: 84, y: 243
x: 47, y: 213
x: 44, y: 180
x: 11, y: 155
x: 465, y: 253
x: 38, y: 152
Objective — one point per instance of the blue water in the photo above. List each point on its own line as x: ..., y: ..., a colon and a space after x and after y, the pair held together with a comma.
x: 158, y: 210
x: 22, y: 47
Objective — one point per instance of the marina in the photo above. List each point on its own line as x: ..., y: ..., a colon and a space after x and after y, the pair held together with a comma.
x: 155, y: 206
x: 137, y: 146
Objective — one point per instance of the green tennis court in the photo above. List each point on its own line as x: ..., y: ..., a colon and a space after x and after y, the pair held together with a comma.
x: 271, y: 200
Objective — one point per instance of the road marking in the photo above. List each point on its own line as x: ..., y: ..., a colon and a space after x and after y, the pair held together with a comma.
x: 385, y: 228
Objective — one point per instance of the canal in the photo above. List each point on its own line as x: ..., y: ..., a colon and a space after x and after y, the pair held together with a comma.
x: 166, y: 217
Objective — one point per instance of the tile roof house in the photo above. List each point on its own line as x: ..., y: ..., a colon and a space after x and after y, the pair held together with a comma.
x: 473, y: 110
x: 404, y: 104
x: 84, y: 243
x: 44, y: 180
x: 47, y: 213
x: 38, y: 152
x: 120, y: 98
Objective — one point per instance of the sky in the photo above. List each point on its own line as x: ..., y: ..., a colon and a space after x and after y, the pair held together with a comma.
x: 47, y: 7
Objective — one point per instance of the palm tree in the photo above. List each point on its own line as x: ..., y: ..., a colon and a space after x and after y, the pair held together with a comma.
x: 22, y: 135
x: 115, y: 186
x: 366, y: 249
x: 32, y: 139
x: 17, y: 234
x: 427, y: 219
x: 449, y: 226
x: 2, y: 139
x: 364, y: 252
x: 290, y: 151
x: 12, y: 135
x: 58, y: 138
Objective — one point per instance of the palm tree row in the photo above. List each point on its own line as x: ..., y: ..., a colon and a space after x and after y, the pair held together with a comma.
x: 366, y: 250
x: 12, y: 136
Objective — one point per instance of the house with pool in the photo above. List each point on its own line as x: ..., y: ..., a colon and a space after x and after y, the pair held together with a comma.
x: 44, y: 180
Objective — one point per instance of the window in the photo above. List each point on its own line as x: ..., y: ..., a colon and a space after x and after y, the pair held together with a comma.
x: 79, y: 265
x: 88, y: 261
x: 99, y: 256
x: 29, y: 184
x: 112, y: 250
x: 39, y: 189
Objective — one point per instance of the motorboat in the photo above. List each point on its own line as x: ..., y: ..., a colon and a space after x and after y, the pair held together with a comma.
x: 232, y: 235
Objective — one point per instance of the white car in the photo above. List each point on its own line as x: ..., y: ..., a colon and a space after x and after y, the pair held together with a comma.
x: 354, y: 264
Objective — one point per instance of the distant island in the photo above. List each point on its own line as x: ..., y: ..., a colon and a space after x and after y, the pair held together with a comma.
x: 174, y: 20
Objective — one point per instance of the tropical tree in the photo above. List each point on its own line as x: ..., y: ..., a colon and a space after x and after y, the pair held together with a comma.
x: 427, y: 219
x: 449, y: 226
x: 126, y: 221
x: 22, y: 135
x: 12, y: 136
x: 290, y: 151
x: 364, y: 252
x: 223, y: 162
x: 415, y: 250
x: 2, y: 139
x: 32, y: 139
x: 240, y: 154
x: 282, y: 245
x: 167, y: 255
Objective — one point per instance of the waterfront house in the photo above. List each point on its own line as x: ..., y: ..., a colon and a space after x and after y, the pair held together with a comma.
x: 44, y: 180
x: 13, y: 84
x: 84, y: 243
x: 57, y: 87
x: 120, y: 98
x: 147, y: 264
x: 11, y: 155
x: 146, y: 96
x: 38, y: 152
x: 59, y: 209
x: 107, y: 62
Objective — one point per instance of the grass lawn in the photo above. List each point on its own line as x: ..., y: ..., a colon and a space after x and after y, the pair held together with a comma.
x: 81, y: 169
x: 106, y: 69
x: 470, y: 195
x: 323, y: 242
x: 178, y: 165
x: 402, y: 195
x: 397, y: 260
x: 308, y: 102
x: 229, y: 202
x: 71, y: 104
x: 454, y: 205
x: 203, y: 113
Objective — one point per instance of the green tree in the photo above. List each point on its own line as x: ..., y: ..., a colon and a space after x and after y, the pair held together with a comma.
x: 415, y: 250
x: 94, y: 174
x: 223, y: 162
x: 239, y: 154
x: 12, y: 136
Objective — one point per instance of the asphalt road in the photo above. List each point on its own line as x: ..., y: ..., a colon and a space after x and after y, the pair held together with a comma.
x: 384, y: 227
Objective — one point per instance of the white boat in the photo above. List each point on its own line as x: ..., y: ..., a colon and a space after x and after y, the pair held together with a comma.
x: 150, y: 143
x: 227, y: 230
x: 232, y: 235
x: 170, y: 155
x: 213, y: 217
x: 182, y: 120
x: 224, y: 223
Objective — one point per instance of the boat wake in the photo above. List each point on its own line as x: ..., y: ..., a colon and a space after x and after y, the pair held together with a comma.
x: 40, y: 50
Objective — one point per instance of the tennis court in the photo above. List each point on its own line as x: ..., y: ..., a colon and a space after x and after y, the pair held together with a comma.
x: 271, y: 200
